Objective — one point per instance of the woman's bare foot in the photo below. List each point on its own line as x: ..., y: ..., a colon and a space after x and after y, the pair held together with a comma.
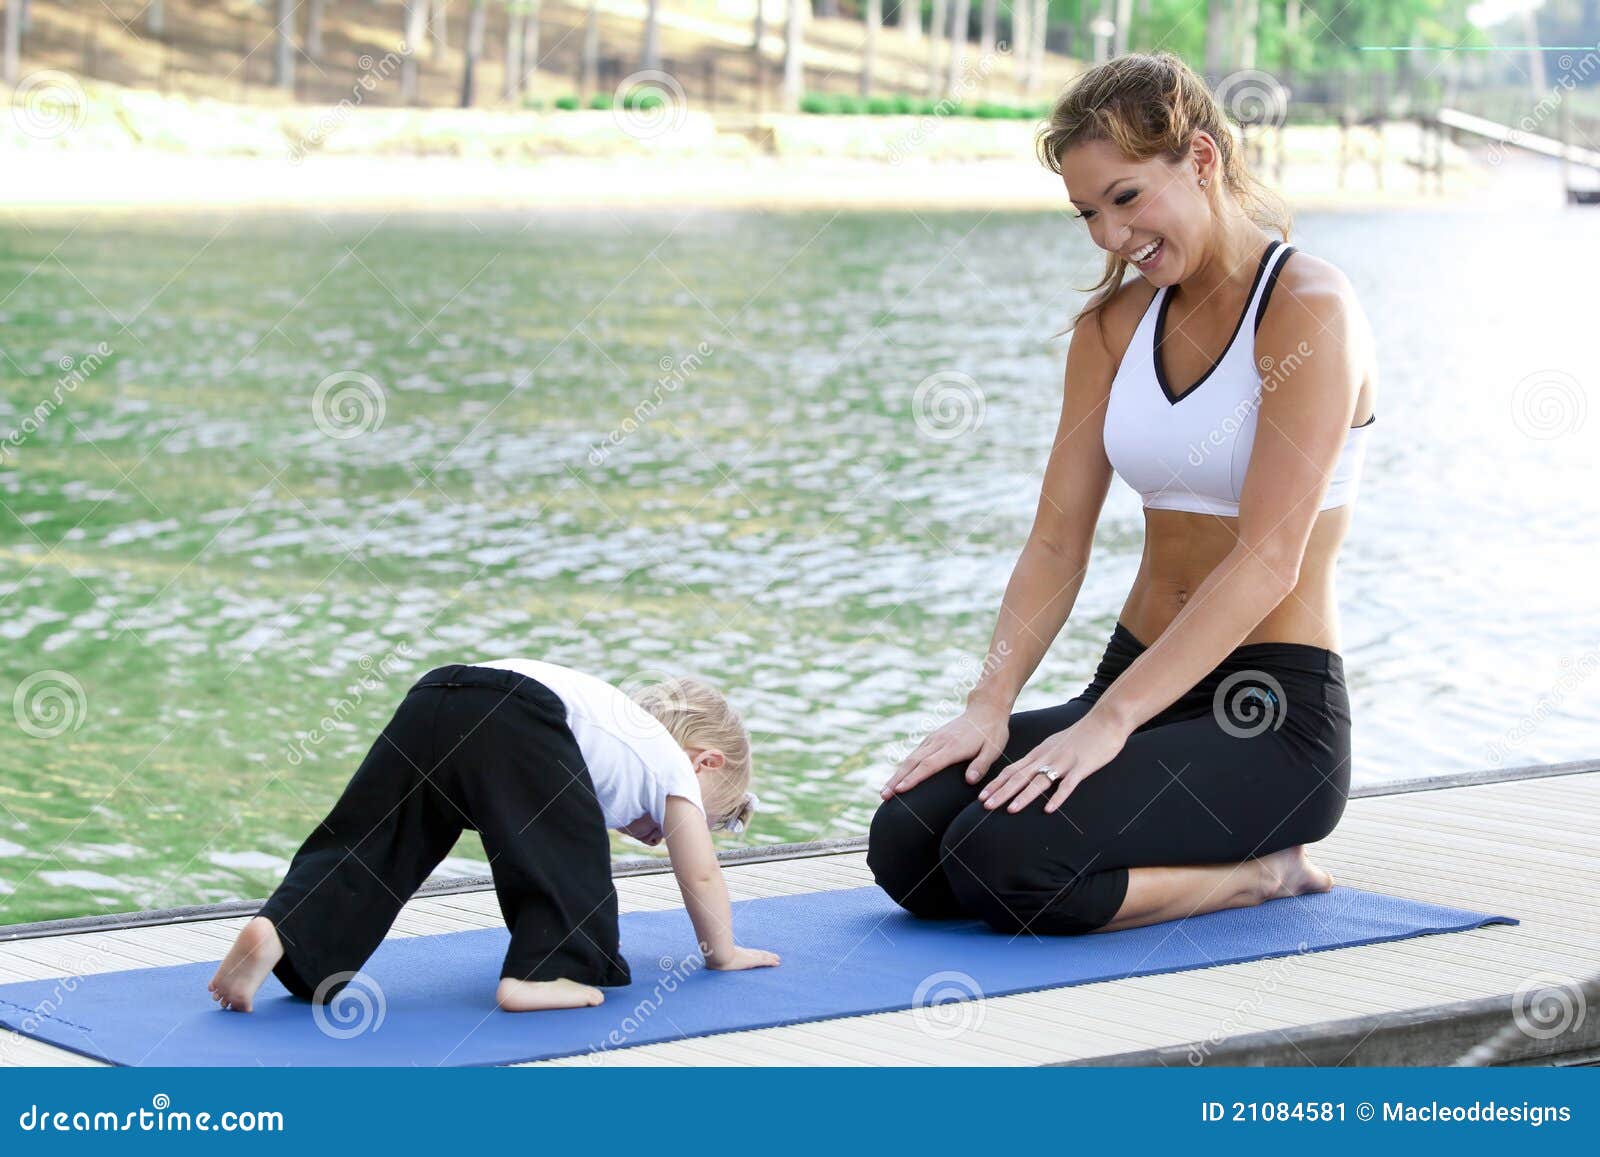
x: 1290, y: 873
x: 531, y: 995
x: 242, y: 971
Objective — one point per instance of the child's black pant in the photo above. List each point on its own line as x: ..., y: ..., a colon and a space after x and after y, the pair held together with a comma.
x: 469, y: 748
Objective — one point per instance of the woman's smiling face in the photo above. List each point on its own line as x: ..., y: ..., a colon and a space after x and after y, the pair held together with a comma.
x: 1151, y: 209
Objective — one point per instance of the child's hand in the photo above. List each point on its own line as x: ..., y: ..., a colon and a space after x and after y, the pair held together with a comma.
x: 742, y: 959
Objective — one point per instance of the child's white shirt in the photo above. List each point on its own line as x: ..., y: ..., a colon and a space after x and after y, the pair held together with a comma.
x: 633, y: 759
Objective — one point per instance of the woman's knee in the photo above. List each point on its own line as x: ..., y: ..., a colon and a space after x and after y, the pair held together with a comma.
x: 903, y: 856
x: 995, y: 864
x: 976, y: 862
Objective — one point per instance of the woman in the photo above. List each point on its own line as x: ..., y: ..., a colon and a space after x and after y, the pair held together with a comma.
x: 1213, y: 742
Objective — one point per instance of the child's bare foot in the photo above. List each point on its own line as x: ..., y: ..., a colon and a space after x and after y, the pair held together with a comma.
x: 242, y: 971
x: 1290, y: 873
x: 531, y: 995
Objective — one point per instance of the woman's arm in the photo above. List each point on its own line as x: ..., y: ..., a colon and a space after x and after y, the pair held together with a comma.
x: 1044, y: 583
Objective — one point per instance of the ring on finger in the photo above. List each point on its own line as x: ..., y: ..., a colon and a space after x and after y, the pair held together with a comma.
x: 1048, y: 772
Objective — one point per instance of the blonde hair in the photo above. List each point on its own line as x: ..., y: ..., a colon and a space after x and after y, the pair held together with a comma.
x: 1150, y: 105
x: 698, y: 715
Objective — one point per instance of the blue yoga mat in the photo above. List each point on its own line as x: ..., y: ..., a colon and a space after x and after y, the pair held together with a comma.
x: 429, y: 1000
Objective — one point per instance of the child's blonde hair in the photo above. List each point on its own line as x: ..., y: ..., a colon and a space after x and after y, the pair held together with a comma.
x: 698, y: 715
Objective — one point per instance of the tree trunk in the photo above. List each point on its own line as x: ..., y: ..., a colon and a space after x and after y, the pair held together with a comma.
x: 1124, y: 18
x: 958, y: 45
x: 530, y: 43
x: 1216, y: 40
x: 415, y: 29
x: 155, y: 17
x: 1021, y: 40
x: 436, y: 17
x: 1097, y: 23
x: 473, y: 50
x: 1535, y: 55
x: 936, y: 22
x: 11, y: 68
x: 986, y: 29
x: 869, y: 51
x: 1250, y: 21
x: 591, y: 52
x: 911, y: 19
x: 793, y: 72
x: 283, y: 57
x: 651, y: 55
x: 1041, y: 30
x: 314, y: 16
x: 512, y: 87
x: 1291, y: 35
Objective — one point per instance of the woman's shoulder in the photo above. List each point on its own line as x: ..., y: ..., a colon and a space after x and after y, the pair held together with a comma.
x: 1112, y: 325
x: 1310, y: 275
x: 1309, y: 294
x: 1313, y: 298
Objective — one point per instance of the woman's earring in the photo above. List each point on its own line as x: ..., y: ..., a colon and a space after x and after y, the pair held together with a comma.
x: 1204, y: 181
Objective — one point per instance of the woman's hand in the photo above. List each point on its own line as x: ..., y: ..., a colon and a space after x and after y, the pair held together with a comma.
x: 743, y: 958
x: 978, y: 734
x: 1077, y: 753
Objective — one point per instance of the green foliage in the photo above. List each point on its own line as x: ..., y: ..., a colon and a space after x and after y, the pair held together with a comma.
x: 846, y: 104
x: 642, y: 98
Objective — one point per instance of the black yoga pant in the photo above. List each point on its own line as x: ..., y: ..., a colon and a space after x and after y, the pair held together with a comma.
x: 1253, y: 759
x: 469, y: 748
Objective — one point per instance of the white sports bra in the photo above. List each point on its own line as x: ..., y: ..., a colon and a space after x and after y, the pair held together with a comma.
x: 1190, y: 452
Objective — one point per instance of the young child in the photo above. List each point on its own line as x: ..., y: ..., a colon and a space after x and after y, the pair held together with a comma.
x: 540, y: 760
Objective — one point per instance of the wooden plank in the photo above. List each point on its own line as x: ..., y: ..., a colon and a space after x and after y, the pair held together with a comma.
x: 17, y: 1051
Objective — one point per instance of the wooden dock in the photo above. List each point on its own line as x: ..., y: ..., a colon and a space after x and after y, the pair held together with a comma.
x: 1522, y: 842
